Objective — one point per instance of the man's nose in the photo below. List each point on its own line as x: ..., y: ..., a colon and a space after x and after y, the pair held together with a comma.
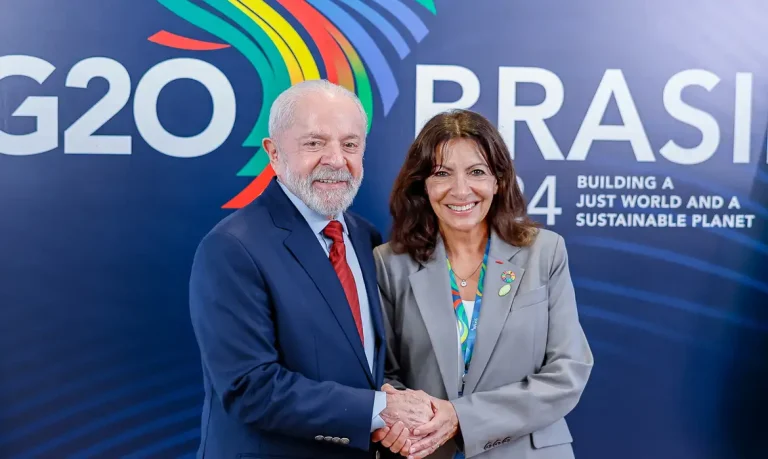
x: 333, y: 156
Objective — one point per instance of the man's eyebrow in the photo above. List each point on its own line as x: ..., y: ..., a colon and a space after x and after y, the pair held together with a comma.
x: 313, y: 134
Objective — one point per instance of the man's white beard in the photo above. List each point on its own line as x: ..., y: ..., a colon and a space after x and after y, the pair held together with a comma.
x: 326, y: 203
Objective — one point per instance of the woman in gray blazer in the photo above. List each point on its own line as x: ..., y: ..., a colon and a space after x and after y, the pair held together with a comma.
x: 479, y: 305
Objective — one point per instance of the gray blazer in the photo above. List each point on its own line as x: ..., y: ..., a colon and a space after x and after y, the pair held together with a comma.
x: 531, y: 359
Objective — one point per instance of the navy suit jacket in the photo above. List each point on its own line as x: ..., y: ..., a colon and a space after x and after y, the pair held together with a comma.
x: 284, y: 370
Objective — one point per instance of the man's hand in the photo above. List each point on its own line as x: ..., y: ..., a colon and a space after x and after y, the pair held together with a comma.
x: 413, y: 408
x: 436, y: 432
x: 404, y: 409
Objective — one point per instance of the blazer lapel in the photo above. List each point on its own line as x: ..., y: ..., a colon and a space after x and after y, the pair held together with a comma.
x: 303, y: 245
x: 364, y: 252
x: 432, y: 290
x: 495, y: 306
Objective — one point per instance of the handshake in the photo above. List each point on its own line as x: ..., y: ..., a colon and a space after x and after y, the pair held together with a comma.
x: 417, y: 424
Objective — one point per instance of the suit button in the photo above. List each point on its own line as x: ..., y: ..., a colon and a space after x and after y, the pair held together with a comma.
x: 319, y: 438
x: 328, y: 438
x: 336, y: 439
x: 345, y: 441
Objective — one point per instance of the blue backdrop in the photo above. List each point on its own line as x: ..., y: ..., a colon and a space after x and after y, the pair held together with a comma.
x: 97, y: 356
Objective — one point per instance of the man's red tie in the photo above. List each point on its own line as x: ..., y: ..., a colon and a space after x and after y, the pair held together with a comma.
x: 338, y: 257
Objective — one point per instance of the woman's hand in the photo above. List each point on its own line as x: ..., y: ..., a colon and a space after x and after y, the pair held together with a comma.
x: 436, y: 432
x: 395, y: 437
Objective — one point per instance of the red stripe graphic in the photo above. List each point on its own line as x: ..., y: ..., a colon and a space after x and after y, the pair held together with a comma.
x: 172, y: 40
x: 337, y: 68
x: 252, y: 191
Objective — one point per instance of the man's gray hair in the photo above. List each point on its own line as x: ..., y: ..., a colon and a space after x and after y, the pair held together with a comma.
x: 282, y: 111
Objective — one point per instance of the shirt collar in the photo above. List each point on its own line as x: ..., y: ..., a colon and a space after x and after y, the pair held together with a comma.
x: 316, y: 221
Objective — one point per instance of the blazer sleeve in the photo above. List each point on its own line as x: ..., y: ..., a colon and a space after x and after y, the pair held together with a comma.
x: 498, y: 416
x: 232, y: 317
x: 391, y: 365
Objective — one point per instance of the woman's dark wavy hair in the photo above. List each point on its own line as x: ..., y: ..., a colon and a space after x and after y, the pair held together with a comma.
x: 414, y: 226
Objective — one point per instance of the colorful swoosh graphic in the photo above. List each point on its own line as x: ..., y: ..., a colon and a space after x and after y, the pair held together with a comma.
x: 268, y: 34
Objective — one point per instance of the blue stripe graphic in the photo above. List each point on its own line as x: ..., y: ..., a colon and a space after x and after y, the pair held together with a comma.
x: 165, y: 444
x: 648, y: 327
x: 607, y: 347
x: 690, y: 262
x: 384, y: 27
x: 407, y: 17
x: 184, y: 374
x: 366, y: 47
x: 164, y: 399
x: 128, y: 435
x: 76, y: 362
x: 761, y: 176
x: 32, y: 353
x: 676, y: 303
x: 741, y: 239
x: 93, y: 378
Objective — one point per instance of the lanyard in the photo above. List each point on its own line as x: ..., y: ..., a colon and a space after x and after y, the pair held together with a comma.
x: 468, y: 330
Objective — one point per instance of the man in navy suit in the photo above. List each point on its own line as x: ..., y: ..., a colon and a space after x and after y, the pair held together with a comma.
x: 285, y: 306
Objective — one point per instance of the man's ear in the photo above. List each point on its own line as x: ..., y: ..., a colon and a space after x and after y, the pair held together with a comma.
x: 270, y: 147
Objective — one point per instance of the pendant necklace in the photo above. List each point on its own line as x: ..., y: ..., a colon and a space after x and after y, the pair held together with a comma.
x: 463, y: 282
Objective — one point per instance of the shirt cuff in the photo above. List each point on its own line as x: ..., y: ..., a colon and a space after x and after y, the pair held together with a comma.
x: 379, y: 404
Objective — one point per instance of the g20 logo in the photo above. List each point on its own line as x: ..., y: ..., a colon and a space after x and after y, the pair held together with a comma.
x: 285, y: 41
x: 79, y: 137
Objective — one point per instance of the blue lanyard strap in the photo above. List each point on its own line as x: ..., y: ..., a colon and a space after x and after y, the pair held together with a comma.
x: 468, y: 330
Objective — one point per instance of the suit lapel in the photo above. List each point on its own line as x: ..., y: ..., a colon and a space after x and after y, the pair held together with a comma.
x: 303, y: 245
x: 432, y: 290
x: 495, y: 307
